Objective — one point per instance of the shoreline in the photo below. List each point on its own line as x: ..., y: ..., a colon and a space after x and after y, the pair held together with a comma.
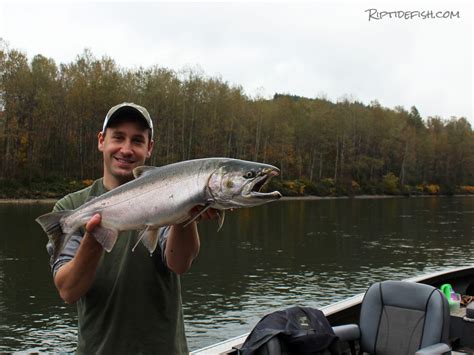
x: 296, y: 198
x: 364, y: 197
x: 25, y: 201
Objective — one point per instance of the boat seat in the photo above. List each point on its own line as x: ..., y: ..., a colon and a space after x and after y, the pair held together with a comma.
x: 400, y: 317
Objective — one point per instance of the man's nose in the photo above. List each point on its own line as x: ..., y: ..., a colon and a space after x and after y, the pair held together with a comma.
x: 126, y: 147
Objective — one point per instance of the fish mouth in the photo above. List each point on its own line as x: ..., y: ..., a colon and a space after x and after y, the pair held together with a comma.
x: 259, y: 182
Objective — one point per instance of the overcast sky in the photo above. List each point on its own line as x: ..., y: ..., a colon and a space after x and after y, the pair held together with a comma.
x: 311, y: 49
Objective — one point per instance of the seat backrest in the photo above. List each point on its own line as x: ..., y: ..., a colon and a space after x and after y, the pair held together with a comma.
x: 400, y: 317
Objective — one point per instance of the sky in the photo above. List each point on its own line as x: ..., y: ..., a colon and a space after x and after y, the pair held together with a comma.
x: 337, y: 50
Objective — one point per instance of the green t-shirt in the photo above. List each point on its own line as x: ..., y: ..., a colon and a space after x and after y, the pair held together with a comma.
x: 134, y: 304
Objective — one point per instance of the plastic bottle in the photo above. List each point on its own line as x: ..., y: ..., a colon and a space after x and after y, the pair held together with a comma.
x: 454, y: 299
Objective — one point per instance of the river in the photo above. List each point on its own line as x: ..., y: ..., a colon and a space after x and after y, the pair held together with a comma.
x: 303, y: 252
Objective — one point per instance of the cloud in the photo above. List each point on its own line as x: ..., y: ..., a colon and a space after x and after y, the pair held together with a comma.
x: 302, y: 48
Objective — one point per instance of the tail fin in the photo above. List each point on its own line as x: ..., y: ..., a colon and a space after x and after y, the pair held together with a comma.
x: 51, y: 224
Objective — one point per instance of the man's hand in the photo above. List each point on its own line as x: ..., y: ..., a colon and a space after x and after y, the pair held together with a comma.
x: 210, y: 213
x: 90, y: 226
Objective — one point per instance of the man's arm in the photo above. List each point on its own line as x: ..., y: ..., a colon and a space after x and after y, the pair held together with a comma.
x: 75, y: 277
x: 182, y: 245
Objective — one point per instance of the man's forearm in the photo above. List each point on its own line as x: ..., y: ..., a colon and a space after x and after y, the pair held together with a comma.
x: 182, y: 246
x: 74, y: 278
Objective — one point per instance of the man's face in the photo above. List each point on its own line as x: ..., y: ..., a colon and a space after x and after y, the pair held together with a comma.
x: 124, y: 147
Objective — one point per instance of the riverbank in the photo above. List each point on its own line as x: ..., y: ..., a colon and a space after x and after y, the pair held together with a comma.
x: 291, y: 198
x: 366, y: 197
x: 51, y: 191
x: 26, y: 201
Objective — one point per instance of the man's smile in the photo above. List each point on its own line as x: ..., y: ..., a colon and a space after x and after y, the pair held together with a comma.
x: 124, y: 161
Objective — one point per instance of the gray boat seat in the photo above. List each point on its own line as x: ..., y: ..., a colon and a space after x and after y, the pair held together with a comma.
x: 400, y: 317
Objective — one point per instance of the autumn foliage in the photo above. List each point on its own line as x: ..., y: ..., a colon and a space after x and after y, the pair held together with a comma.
x: 50, y: 115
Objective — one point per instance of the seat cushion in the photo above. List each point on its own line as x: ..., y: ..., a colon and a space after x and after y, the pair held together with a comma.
x: 400, y: 330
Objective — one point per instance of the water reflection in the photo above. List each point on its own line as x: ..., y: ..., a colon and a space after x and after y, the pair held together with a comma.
x: 271, y: 257
x: 34, y: 318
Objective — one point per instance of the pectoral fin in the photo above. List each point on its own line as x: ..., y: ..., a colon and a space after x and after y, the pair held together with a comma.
x: 221, y: 215
x: 106, y: 237
x: 197, y: 216
x: 149, y: 238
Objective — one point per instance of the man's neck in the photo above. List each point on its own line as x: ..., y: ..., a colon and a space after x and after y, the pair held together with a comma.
x: 111, y: 182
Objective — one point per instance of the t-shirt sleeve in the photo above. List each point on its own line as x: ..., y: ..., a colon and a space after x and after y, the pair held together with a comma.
x: 162, y: 239
x: 68, y: 252
x: 70, y: 249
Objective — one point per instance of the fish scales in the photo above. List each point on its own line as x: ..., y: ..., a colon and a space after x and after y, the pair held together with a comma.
x: 165, y: 195
x: 161, y: 198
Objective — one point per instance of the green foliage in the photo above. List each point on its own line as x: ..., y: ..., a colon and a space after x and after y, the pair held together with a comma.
x: 390, y: 184
x: 406, y: 190
x: 355, y: 187
x: 39, y: 189
x: 310, y: 188
x: 432, y: 189
x: 326, y: 187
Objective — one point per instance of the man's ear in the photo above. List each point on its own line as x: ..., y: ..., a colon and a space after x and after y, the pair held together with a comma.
x: 100, y: 141
x: 150, y: 148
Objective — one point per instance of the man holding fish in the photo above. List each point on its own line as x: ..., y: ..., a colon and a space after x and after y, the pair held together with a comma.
x: 129, y: 299
x: 127, y: 302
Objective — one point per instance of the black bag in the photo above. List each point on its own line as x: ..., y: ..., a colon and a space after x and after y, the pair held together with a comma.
x: 296, y: 330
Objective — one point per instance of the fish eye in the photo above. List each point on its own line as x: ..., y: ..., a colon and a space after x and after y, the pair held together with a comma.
x: 250, y: 174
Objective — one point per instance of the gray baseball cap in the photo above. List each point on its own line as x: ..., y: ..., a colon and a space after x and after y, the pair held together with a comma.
x: 124, y: 106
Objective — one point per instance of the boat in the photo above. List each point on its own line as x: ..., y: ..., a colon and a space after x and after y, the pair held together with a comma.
x: 347, y: 311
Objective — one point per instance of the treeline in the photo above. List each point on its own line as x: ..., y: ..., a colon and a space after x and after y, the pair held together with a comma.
x: 50, y: 115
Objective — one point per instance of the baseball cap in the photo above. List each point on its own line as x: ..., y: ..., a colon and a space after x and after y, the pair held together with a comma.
x: 128, y: 106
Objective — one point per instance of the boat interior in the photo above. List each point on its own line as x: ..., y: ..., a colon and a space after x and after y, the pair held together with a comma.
x: 460, y: 327
x: 392, y: 317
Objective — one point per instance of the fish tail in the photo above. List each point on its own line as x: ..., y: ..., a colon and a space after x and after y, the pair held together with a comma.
x: 51, y: 224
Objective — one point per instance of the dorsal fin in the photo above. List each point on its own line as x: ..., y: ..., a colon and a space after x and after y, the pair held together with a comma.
x: 142, y: 170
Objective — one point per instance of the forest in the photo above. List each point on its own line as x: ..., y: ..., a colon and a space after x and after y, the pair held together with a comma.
x: 50, y: 114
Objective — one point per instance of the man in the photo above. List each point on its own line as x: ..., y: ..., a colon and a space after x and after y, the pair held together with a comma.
x: 128, y: 302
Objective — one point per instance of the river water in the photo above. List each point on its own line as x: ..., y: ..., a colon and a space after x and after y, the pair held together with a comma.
x: 304, y: 252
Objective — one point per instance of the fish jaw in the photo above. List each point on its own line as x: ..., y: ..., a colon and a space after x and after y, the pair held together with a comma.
x: 253, y: 190
x: 252, y: 195
x: 238, y: 183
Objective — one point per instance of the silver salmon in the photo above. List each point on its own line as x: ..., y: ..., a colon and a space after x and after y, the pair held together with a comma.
x: 160, y: 196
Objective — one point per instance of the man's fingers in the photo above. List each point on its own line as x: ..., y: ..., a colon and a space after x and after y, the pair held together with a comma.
x: 93, y: 222
x: 212, y: 214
